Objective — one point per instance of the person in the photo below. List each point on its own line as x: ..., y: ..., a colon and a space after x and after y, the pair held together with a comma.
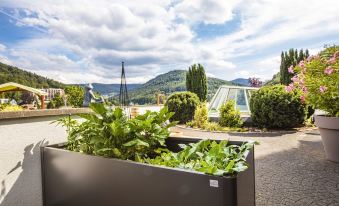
x: 90, y: 97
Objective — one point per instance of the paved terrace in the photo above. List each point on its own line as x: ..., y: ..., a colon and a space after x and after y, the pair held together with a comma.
x: 291, y: 169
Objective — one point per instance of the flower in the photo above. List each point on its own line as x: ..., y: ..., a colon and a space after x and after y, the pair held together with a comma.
x: 289, y: 88
x: 304, y: 89
x: 331, y: 60
x: 302, y: 64
x: 290, y: 70
x: 322, y: 89
x: 329, y: 70
x: 302, y: 98
x: 336, y: 55
x: 295, y: 79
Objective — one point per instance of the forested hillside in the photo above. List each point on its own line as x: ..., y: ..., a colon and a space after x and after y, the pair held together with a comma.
x: 110, y: 89
x: 168, y: 83
x: 13, y: 74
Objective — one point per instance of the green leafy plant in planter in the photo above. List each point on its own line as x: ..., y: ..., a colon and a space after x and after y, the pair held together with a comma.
x: 206, y: 156
x: 107, y: 132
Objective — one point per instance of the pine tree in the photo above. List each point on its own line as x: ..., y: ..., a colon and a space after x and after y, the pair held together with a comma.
x: 196, y: 81
x: 290, y: 58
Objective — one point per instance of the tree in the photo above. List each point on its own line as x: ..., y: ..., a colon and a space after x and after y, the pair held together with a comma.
x: 196, y: 81
x: 254, y: 82
x: 290, y: 58
x: 75, y: 95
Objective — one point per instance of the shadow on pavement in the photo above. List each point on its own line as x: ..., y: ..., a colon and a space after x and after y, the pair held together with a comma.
x: 27, y: 188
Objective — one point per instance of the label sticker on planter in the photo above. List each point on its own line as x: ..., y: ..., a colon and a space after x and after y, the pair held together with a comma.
x: 214, y: 183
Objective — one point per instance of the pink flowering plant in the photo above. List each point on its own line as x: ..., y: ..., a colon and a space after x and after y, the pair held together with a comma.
x: 318, y: 78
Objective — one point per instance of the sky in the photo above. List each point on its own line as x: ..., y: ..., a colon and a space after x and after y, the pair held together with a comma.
x: 85, y: 41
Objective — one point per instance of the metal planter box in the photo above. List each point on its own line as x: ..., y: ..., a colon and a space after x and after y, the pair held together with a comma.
x: 71, y: 178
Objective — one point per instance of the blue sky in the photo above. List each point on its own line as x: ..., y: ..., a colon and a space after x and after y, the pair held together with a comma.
x: 85, y: 41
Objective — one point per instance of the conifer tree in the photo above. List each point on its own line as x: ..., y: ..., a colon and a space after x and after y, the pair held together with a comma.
x: 290, y: 58
x: 196, y: 81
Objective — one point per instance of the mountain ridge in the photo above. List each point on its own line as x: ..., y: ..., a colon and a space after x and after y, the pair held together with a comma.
x: 166, y: 83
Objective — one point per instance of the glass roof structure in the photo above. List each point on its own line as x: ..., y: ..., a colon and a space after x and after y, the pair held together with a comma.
x: 241, y: 95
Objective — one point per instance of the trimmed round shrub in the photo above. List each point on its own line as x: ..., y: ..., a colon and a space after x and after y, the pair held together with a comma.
x: 273, y: 107
x: 183, y: 104
x: 229, y: 115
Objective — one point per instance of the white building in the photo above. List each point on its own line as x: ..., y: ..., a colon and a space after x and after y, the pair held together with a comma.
x: 51, y: 92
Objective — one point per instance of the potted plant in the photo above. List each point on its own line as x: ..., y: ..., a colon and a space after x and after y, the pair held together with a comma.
x: 318, y: 78
x: 111, y: 160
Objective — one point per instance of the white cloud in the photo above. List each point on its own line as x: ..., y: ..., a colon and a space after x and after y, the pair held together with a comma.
x: 86, y: 40
x: 206, y: 11
x: 2, y: 47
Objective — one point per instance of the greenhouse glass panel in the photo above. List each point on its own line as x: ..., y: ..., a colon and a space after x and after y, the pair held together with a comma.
x: 241, y: 95
x: 241, y: 102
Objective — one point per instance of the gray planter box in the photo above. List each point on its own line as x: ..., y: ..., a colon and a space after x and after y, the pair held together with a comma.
x: 71, y: 178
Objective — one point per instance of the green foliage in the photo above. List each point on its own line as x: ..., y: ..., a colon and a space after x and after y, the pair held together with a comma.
x: 229, y: 115
x: 231, y: 122
x: 273, y: 107
x: 173, y: 81
x: 56, y: 102
x: 13, y: 74
x: 183, y: 104
x: 109, y: 133
x: 318, y: 78
x: 75, y: 95
x: 275, y: 80
x: 196, y: 81
x: 169, y: 83
x: 200, y: 118
x: 206, y: 156
x: 290, y: 58
x: 10, y: 108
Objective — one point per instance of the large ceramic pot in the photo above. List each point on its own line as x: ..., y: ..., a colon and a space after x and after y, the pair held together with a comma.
x: 329, y: 131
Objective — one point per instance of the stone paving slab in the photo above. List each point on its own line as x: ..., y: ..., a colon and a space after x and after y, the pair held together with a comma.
x: 291, y: 169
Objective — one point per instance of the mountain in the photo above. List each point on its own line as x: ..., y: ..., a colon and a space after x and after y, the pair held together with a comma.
x: 111, y: 89
x: 241, y: 81
x: 168, y: 83
x: 14, y: 74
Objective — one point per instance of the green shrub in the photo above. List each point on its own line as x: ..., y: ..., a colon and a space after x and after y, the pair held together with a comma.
x: 183, y: 104
x: 10, y: 108
x: 56, y: 102
x: 200, y: 118
x: 75, y: 95
x: 229, y: 115
x: 273, y: 107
